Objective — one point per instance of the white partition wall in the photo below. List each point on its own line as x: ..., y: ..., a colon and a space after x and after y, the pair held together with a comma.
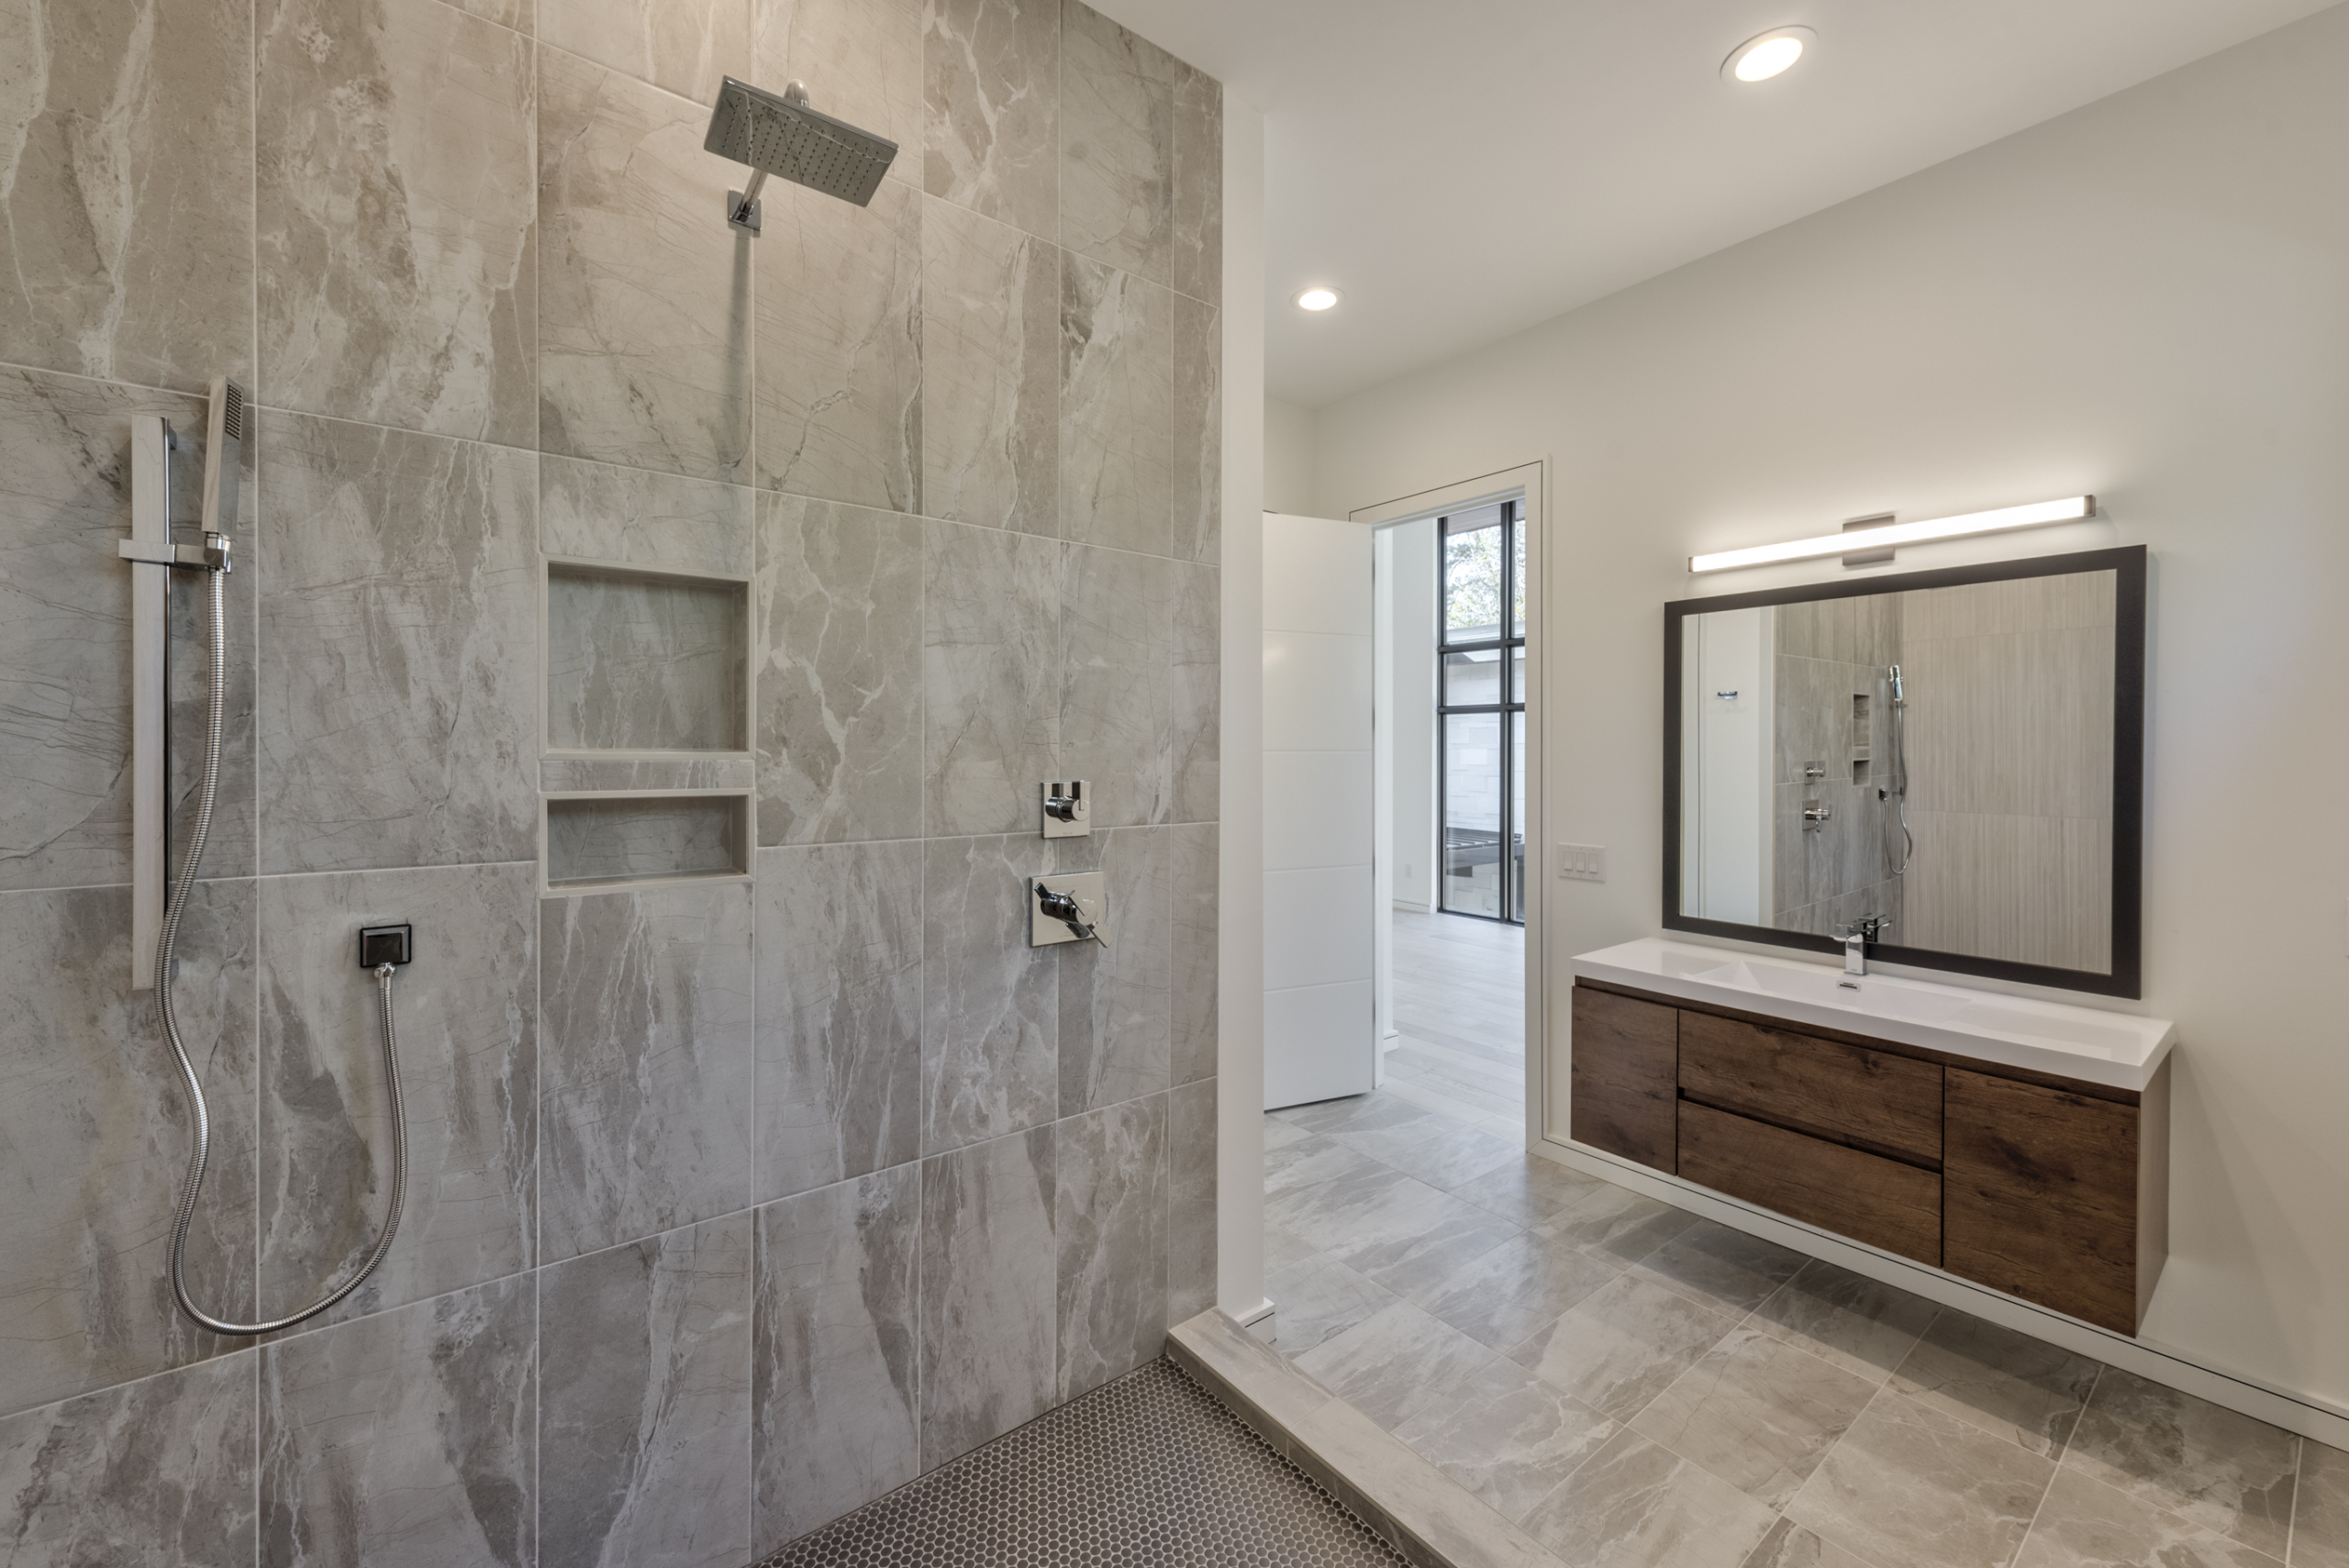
x: 1320, y: 1032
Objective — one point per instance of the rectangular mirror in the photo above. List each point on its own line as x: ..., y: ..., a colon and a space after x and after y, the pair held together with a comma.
x: 1957, y: 754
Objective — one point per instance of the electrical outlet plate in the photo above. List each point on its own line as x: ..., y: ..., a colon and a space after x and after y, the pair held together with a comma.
x: 1582, y: 862
x: 1044, y: 930
x: 1080, y: 821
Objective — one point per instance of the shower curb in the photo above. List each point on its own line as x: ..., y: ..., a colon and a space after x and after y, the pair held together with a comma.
x: 1423, y: 1514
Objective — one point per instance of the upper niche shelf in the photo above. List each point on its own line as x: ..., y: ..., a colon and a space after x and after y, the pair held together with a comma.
x: 646, y: 662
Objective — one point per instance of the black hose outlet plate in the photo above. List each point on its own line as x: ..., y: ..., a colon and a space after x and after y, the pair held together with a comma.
x: 384, y: 944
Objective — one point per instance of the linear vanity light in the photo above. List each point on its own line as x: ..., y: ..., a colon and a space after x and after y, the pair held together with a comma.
x: 2037, y: 515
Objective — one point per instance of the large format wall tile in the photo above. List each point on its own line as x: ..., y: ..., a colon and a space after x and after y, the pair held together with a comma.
x: 684, y: 46
x: 93, y: 1119
x: 645, y: 1110
x: 1109, y: 1179
x: 839, y: 387
x: 1197, y: 441
x: 1117, y: 694
x: 126, y: 190
x: 839, y: 1013
x: 644, y: 1403
x: 1194, y: 1007
x: 990, y: 1002
x: 862, y: 61
x: 468, y: 1035
x: 1196, y: 267
x: 65, y: 639
x: 406, y: 1440
x: 1116, y: 144
x: 1117, y: 408
x: 840, y: 673
x: 990, y: 372
x: 1114, y: 1002
x: 989, y: 1273
x: 637, y: 516
x: 157, y: 1474
x: 1190, y: 1200
x: 991, y: 75
x: 398, y: 711
x: 991, y: 637
x: 837, y: 1420
x: 398, y: 217
x: 1196, y: 694
x: 644, y: 293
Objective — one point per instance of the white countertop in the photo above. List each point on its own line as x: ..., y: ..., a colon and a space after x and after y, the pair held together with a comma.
x: 2121, y: 1051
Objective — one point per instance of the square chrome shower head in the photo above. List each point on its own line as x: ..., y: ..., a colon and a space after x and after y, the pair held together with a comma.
x: 779, y: 135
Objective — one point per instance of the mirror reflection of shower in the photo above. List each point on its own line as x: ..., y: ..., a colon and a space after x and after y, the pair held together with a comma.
x: 1896, y: 790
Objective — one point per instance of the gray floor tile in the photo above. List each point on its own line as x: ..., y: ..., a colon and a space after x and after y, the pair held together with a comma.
x: 1622, y: 1345
x: 1617, y: 1224
x: 2086, y: 1524
x: 1395, y: 1364
x: 1860, y: 1325
x: 1443, y: 1157
x: 1513, y: 1289
x: 2003, y: 1381
x: 1637, y: 1504
x: 2225, y: 1472
x: 1318, y: 1299
x: 1911, y: 1487
x: 1508, y: 1437
x: 1416, y: 1237
x: 1756, y: 1412
x: 1278, y: 1132
x: 2321, y: 1524
x: 1721, y: 1268
x: 1284, y: 1247
x: 1309, y: 1160
x: 1789, y: 1545
x: 1529, y: 1190
x: 1359, y: 1113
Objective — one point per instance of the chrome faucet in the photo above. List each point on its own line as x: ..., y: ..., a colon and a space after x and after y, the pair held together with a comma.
x: 1855, y: 939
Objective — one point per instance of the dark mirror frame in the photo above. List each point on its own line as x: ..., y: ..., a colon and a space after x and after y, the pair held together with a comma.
x: 2128, y: 767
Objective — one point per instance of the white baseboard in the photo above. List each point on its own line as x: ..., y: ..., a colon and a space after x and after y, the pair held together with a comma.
x: 2294, y: 1412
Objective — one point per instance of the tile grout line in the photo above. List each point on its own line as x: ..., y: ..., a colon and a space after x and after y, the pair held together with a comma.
x: 2056, y: 1470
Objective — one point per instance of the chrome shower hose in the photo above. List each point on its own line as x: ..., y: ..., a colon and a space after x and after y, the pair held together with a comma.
x: 201, y: 1116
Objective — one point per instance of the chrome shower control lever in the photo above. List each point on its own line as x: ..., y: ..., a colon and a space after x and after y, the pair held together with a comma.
x: 1068, y: 810
x: 1069, y: 907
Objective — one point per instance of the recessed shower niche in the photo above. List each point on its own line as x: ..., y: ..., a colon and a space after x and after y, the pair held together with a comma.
x: 601, y: 840
x: 641, y: 662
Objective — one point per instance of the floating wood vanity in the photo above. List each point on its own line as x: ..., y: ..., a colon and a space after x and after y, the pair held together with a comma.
x: 2050, y: 1186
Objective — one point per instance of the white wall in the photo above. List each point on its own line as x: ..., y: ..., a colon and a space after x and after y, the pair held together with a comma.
x: 1289, y: 458
x: 1410, y: 590
x: 2149, y: 299
x: 1240, y: 904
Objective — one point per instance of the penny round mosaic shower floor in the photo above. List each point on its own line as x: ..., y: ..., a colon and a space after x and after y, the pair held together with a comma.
x: 1148, y: 1470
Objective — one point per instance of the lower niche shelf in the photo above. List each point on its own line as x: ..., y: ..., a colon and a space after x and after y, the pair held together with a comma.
x: 606, y: 840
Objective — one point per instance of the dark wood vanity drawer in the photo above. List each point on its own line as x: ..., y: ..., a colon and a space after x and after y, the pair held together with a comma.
x: 2053, y: 1197
x: 1865, y: 1196
x: 1625, y: 1092
x: 1870, y: 1099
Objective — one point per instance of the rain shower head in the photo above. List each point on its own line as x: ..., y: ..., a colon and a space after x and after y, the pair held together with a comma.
x: 782, y: 136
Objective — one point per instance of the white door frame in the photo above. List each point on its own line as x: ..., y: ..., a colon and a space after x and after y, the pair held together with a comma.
x: 1526, y: 483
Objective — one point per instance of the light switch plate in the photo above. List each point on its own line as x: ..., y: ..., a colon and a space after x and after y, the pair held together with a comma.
x: 1582, y: 862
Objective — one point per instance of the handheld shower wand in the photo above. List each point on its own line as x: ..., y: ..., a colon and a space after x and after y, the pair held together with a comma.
x: 223, y: 452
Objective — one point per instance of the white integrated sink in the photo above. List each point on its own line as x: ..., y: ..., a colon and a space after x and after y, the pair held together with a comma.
x: 2122, y: 1050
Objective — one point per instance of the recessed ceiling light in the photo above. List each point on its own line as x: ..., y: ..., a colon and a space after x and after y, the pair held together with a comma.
x: 1766, y: 55
x: 1317, y: 298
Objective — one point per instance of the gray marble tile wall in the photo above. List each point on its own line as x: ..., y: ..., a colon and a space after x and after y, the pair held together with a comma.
x: 735, y: 1201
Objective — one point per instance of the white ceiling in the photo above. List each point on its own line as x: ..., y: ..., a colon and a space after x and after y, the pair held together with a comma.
x: 1466, y: 170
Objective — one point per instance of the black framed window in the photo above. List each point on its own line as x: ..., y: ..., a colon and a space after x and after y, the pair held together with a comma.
x: 1480, y: 707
